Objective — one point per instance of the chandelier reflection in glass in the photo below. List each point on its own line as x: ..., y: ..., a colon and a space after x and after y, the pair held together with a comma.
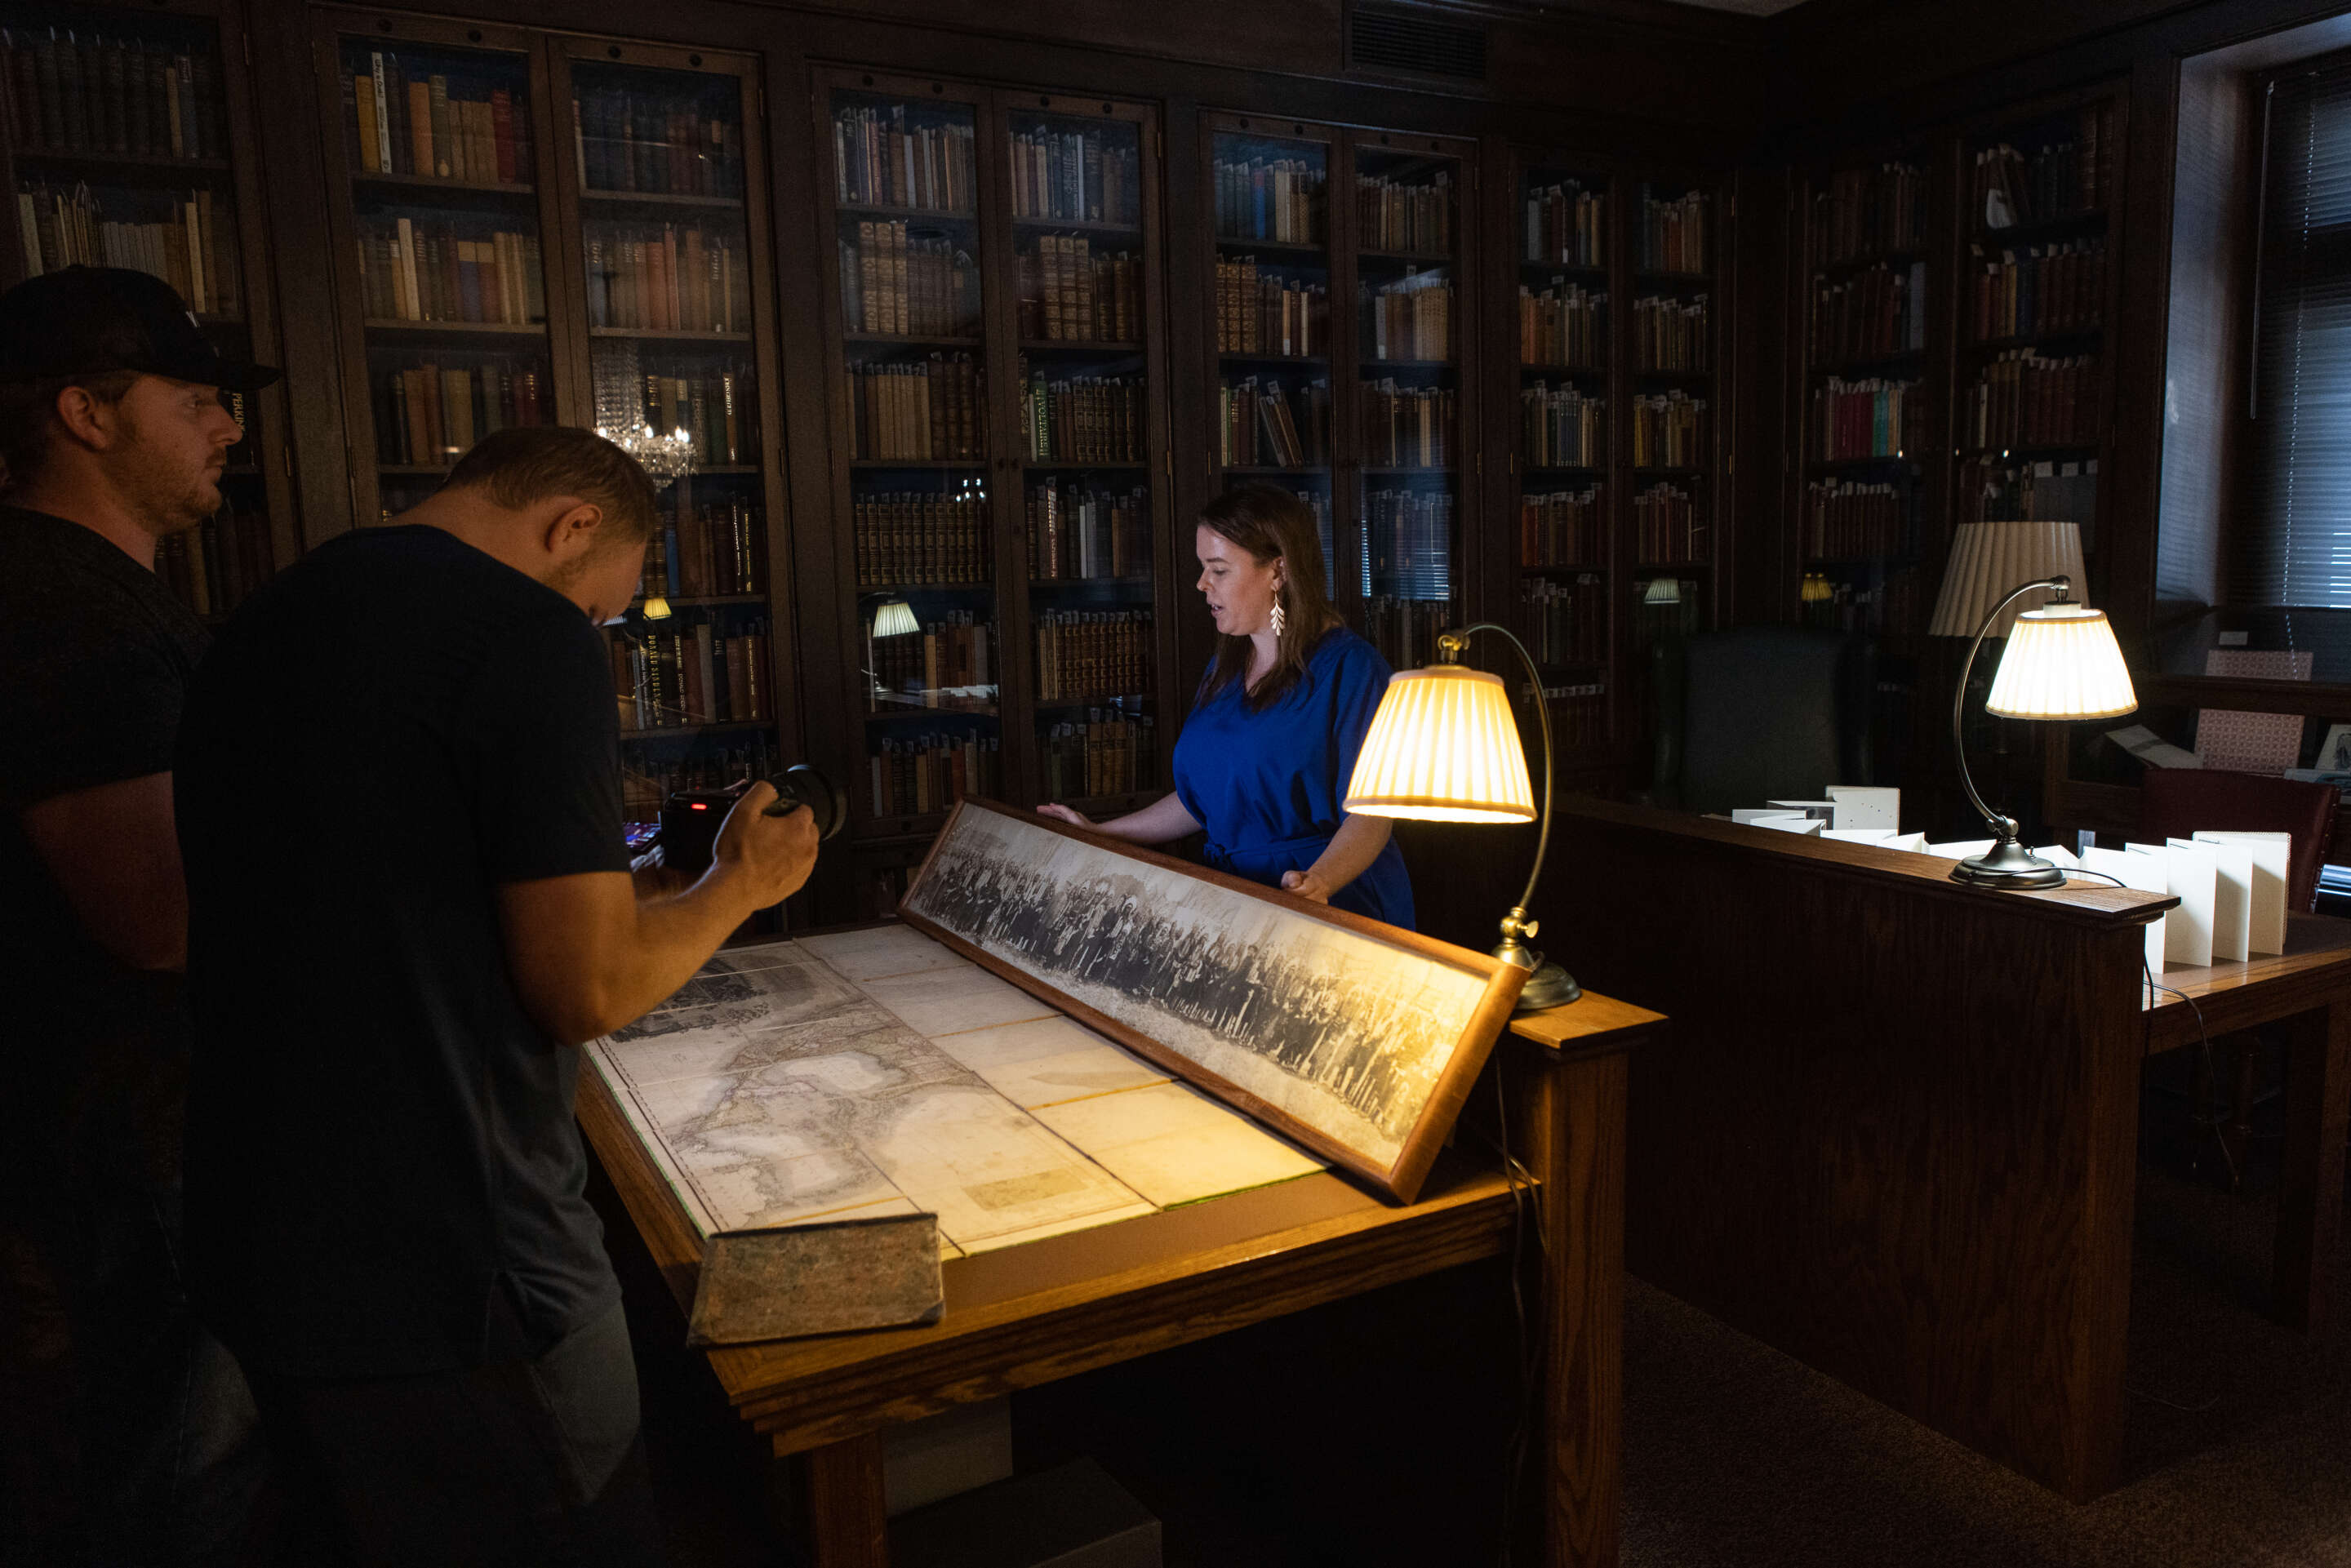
x: 618, y: 380
x: 665, y: 458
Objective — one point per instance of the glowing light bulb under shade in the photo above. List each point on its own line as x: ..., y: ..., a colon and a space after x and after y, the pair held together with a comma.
x: 1444, y: 747
x: 895, y: 617
x: 2062, y: 661
x: 1663, y: 591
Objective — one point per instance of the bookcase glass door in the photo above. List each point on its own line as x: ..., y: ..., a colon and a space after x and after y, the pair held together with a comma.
x: 444, y: 216
x: 1407, y: 250
x: 660, y: 180
x: 1272, y: 243
x: 1075, y: 184
x: 1673, y: 404
x: 117, y: 139
x: 912, y: 321
x: 1866, y: 287
x: 1565, y: 543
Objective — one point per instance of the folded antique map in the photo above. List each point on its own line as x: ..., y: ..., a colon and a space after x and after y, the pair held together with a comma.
x: 876, y: 1072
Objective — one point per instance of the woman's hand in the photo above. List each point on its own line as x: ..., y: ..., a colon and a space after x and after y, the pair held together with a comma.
x: 1304, y: 884
x: 1061, y: 813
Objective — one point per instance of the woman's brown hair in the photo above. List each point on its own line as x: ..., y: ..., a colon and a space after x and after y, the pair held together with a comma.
x: 1271, y: 523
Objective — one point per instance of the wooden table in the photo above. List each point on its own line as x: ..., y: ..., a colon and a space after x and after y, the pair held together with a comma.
x: 2307, y: 991
x: 1029, y: 1314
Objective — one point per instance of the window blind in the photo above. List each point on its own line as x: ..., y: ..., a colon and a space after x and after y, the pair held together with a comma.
x: 2297, y: 549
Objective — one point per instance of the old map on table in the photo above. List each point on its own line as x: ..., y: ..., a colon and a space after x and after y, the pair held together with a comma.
x: 876, y: 1072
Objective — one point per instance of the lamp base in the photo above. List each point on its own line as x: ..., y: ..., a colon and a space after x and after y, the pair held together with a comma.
x: 2008, y: 866
x: 1549, y: 987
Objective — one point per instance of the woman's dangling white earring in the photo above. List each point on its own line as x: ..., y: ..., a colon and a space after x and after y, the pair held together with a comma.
x: 1280, y: 619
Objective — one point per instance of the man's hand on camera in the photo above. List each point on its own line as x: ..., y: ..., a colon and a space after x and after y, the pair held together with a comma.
x: 773, y: 855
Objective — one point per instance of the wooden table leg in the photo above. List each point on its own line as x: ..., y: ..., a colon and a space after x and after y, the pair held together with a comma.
x: 848, y: 1525
x: 1570, y: 1124
x: 2310, y: 1191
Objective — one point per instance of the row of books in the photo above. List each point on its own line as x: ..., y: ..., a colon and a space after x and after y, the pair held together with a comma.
x: 1890, y: 606
x: 1091, y: 175
x: 1673, y: 233
x: 1262, y: 423
x: 213, y: 566
x: 1406, y: 631
x: 2007, y: 491
x: 912, y: 538
x: 1565, y: 620
x: 1260, y: 310
x: 1093, y: 654
x: 711, y: 402
x: 1860, y: 419
x: 890, y: 282
x: 2024, y: 398
x: 1561, y: 527
x: 947, y: 665
x: 1671, y: 430
x: 674, y: 673
x: 1847, y: 519
x: 189, y: 242
x: 1105, y: 753
x: 1277, y: 199
x: 1566, y: 326
x: 914, y: 775
x: 407, y: 119
x: 1668, y: 528
x: 1561, y: 427
x: 1068, y: 290
x: 665, y: 146
x: 916, y: 411
x: 1670, y: 334
x: 1869, y: 212
x: 1579, y: 715
x: 717, y: 547
x: 1872, y: 313
x: 1087, y: 532
x: 1565, y: 225
x: 665, y: 278
x: 409, y: 273
x: 1081, y: 419
x: 1407, y: 427
x: 646, y: 782
x: 1411, y: 318
x: 2058, y: 179
x: 428, y: 414
x: 2048, y: 288
x: 883, y: 156
x: 1415, y: 216
x: 1409, y: 543
x: 76, y: 92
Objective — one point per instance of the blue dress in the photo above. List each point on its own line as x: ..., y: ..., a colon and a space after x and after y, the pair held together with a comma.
x: 1266, y: 785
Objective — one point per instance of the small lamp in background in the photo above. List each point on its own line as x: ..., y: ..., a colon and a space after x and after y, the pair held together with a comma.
x: 2061, y: 663
x: 656, y: 607
x: 1444, y: 748
x: 892, y: 618
x: 1663, y: 591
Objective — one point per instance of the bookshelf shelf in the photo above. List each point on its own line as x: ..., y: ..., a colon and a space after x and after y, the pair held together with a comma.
x: 128, y: 168
x: 2065, y: 338
x: 1675, y: 378
x: 1405, y: 470
x: 1557, y: 569
x: 1075, y: 227
x: 1860, y: 465
x: 909, y: 214
x: 2063, y: 225
x: 908, y: 340
x: 1677, y: 566
x: 913, y: 710
x: 1273, y: 246
x: 648, y: 335
x: 1269, y: 471
x: 1563, y: 468
x: 1844, y: 265
x: 441, y: 189
x: 445, y: 330
x: 725, y: 470
x: 1055, y: 465
x: 1240, y: 358
x: 1371, y: 364
x: 660, y: 200
x: 690, y: 731
x: 1129, y: 701
x: 1669, y: 471
x: 878, y: 465
x: 1536, y: 271
x: 1060, y: 584
x: 2065, y: 451
x: 1077, y: 346
x: 1875, y: 365
x: 1410, y: 258
x: 1672, y: 279
x: 887, y: 589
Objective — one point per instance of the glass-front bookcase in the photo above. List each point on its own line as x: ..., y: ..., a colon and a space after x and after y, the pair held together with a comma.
x: 536, y: 228
x: 128, y: 139
x: 998, y: 420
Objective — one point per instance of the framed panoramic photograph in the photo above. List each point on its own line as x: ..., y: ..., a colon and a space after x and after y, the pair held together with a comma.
x: 1354, y: 1039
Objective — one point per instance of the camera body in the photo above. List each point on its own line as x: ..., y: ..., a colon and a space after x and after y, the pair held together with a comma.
x: 690, y: 819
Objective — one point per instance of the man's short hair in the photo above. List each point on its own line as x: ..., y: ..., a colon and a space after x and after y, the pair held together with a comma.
x: 27, y: 409
x: 524, y: 464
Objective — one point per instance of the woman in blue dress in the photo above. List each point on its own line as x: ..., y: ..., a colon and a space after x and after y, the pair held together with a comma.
x: 1264, y: 760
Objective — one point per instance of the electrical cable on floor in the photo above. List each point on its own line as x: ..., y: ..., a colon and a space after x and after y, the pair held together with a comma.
x: 1523, y: 1190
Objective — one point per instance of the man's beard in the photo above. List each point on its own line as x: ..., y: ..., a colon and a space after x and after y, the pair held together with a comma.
x: 170, y: 500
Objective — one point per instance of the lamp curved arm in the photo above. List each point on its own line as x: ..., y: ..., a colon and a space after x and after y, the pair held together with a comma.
x: 1454, y: 642
x: 2003, y: 826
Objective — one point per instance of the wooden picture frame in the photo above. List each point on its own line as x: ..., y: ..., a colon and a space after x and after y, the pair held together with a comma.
x: 1136, y: 929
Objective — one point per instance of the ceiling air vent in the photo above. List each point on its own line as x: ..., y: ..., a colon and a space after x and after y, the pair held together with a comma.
x: 1398, y: 42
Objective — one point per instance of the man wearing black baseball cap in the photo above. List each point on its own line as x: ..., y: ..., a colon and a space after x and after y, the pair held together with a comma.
x: 131, y: 1434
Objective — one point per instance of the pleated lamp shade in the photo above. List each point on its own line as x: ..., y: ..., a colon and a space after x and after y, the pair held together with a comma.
x: 2062, y: 661
x: 1988, y: 560
x: 895, y: 618
x: 1443, y: 747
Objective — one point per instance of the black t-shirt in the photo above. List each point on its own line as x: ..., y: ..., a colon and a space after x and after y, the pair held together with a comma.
x: 95, y: 655
x: 383, y: 1173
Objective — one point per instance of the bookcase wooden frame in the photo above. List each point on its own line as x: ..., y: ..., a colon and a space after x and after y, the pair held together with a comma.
x: 273, y: 452
x: 1345, y: 360
x: 898, y: 840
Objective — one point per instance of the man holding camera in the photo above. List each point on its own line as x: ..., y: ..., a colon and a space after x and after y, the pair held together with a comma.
x: 410, y: 902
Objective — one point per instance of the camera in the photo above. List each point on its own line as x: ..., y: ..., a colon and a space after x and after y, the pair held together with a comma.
x: 690, y: 819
